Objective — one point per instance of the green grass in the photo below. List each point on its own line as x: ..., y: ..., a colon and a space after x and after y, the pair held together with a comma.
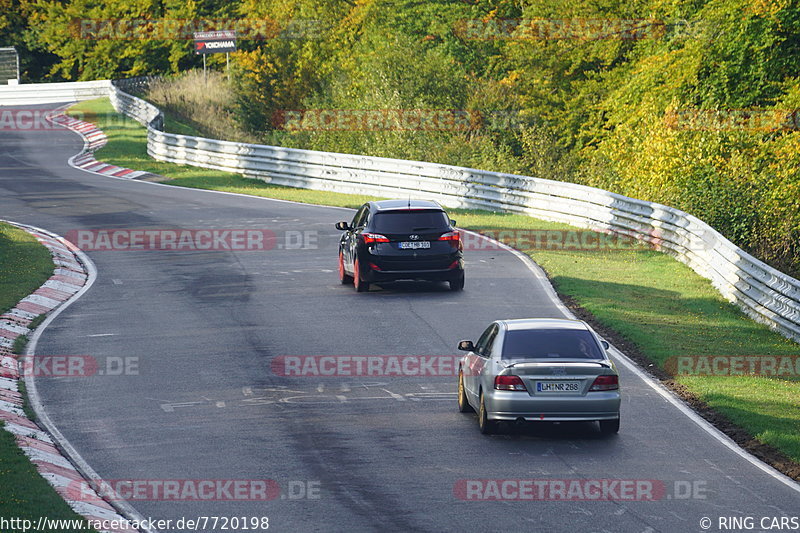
x: 24, y: 266
x: 26, y: 494
x: 173, y: 125
x: 650, y: 299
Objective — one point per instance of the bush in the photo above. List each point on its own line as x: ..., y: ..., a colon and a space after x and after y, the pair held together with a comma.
x: 206, y: 102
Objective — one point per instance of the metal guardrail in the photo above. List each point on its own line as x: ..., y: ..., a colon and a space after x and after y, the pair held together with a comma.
x: 137, y: 85
x: 142, y: 112
x: 764, y: 293
x: 51, y: 93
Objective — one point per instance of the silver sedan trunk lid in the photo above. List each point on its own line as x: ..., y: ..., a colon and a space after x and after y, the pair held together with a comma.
x: 557, y: 378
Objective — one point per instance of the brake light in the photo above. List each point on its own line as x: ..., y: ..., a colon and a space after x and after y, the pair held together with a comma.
x: 605, y: 383
x: 370, y: 238
x: 373, y: 266
x: 454, y: 237
x: 509, y: 383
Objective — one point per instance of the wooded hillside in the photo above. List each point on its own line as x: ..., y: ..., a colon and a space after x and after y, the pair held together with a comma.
x: 688, y: 103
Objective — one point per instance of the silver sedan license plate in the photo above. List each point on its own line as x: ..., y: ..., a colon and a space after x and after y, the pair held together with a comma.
x: 414, y: 245
x: 557, y: 386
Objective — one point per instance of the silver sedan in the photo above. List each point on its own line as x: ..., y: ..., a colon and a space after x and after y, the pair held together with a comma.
x: 539, y: 369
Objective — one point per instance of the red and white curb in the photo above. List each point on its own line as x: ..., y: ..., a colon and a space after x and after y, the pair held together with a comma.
x: 68, y: 279
x: 93, y: 139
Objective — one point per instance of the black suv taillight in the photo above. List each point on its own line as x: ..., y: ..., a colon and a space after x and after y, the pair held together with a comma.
x: 370, y: 238
x: 453, y: 236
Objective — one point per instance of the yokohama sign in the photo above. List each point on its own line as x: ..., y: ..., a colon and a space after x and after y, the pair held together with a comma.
x: 214, y: 42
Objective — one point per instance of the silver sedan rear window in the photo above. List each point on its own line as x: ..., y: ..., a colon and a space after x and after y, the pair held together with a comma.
x: 550, y: 344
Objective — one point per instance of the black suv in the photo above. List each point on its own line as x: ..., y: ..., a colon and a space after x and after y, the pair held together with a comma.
x: 400, y: 240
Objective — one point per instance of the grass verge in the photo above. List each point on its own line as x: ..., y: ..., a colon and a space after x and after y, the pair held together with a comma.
x: 24, y: 266
x: 652, y: 306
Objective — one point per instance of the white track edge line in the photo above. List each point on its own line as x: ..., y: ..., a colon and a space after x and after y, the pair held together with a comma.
x: 124, y: 508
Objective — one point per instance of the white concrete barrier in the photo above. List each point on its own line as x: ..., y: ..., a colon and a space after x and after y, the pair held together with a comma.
x: 51, y: 93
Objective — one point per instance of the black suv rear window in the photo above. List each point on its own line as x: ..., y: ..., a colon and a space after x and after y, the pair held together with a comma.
x: 550, y: 344
x: 410, y: 221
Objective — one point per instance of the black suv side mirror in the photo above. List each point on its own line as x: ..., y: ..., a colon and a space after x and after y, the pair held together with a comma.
x: 344, y: 226
x: 466, y: 346
x: 452, y: 222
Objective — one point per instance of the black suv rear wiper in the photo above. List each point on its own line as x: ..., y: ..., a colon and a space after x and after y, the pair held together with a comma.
x: 422, y: 228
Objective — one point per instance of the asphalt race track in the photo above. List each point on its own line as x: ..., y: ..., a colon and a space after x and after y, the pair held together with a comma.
x: 375, y: 454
